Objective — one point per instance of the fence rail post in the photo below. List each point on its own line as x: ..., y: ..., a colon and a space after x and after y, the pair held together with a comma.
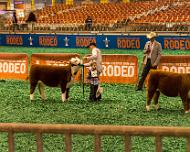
x: 97, y: 143
x: 94, y: 130
x: 39, y: 142
x: 127, y: 143
x: 11, y: 141
x: 68, y: 142
x: 158, y: 143
x: 188, y: 144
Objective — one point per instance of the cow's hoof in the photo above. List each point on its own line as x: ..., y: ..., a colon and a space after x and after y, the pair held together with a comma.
x: 64, y: 100
x: 63, y: 97
x: 157, y: 107
x: 147, y: 108
x: 31, y: 97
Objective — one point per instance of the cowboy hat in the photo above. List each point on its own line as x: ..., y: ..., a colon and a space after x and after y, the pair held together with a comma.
x: 151, y: 35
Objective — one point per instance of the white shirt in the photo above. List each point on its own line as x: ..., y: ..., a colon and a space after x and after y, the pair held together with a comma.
x: 151, y: 45
x: 96, y: 55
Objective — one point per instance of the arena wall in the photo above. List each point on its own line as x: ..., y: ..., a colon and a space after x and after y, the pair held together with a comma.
x: 119, y: 41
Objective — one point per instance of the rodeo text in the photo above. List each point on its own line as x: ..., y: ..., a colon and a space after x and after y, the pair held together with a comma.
x: 17, y: 67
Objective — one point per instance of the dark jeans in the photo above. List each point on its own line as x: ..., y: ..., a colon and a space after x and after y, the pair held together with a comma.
x: 145, y: 72
x: 93, y: 90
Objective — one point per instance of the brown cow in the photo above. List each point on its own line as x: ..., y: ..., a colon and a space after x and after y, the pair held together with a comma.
x: 170, y: 84
x: 53, y: 76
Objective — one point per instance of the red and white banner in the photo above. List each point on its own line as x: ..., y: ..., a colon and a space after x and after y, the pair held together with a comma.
x: 177, y: 63
x: 119, y: 68
x: 13, y: 66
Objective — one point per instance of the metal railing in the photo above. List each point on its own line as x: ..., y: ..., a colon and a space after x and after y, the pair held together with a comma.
x: 100, y: 28
x: 95, y: 130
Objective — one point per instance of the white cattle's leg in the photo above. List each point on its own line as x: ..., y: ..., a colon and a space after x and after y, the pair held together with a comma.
x: 41, y: 90
x: 147, y: 108
x: 156, y: 97
x: 32, y: 89
x: 31, y: 96
x: 156, y: 106
x: 63, y: 96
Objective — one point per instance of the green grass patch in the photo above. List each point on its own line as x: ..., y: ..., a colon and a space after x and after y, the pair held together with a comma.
x: 120, y: 105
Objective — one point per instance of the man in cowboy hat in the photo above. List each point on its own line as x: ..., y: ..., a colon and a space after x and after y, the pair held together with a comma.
x: 152, y: 54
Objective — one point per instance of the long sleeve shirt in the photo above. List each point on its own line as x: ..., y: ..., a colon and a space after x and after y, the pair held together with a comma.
x: 96, y: 55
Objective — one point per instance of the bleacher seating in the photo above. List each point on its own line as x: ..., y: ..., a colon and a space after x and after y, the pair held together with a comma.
x: 175, y: 18
x: 158, y: 15
x: 176, y: 14
x: 104, y: 16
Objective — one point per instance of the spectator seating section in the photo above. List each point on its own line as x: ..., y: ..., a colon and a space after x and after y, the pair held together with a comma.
x: 111, y: 16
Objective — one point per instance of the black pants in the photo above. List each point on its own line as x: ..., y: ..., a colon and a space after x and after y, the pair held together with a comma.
x: 93, y: 90
x: 145, y: 72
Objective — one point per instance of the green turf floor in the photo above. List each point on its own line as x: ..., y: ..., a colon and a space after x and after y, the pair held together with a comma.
x: 120, y: 105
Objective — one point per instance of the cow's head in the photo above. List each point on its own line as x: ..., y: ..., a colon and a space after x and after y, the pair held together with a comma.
x: 75, y: 62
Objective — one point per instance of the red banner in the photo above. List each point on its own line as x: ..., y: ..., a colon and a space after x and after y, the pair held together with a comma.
x: 119, y: 68
x: 14, y: 66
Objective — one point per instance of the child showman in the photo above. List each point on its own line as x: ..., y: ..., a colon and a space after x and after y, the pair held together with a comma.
x: 93, y: 77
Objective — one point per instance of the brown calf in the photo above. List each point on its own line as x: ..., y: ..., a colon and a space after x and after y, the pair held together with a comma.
x: 53, y: 76
x: 170, y: 84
